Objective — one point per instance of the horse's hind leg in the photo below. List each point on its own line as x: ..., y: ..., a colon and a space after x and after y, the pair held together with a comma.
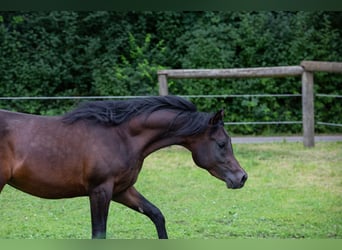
x: 133, y: 199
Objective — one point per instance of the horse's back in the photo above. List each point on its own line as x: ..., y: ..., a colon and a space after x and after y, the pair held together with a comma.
x: 13, y: 120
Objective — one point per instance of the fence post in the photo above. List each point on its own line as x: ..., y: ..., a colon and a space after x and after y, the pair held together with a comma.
x: 308, y: 109
x: 162, y: 80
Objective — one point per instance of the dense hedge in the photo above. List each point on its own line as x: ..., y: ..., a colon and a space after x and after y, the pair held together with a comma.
x: 118, y: 53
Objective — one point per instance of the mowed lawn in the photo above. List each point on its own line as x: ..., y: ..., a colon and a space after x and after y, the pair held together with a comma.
x: 292, y: 192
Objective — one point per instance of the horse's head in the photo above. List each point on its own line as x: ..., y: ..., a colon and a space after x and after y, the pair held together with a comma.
x: 213, y: 151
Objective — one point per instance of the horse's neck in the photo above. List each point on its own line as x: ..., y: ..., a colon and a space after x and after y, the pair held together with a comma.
x: 151, y: 134
x: 154, y: 146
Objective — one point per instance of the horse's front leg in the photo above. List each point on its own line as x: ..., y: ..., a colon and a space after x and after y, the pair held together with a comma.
x: 100, y: 198
x: 133, y: 199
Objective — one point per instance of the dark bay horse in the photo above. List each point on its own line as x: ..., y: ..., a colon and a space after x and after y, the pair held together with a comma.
x: 98, y: 149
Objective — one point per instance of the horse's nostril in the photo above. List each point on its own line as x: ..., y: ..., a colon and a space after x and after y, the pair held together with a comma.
x: 244, y: 178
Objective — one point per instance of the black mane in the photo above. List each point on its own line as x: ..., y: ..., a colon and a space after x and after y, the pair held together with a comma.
x: 112, y: 113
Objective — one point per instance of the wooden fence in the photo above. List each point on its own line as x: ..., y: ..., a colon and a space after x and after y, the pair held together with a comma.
x: 305, y: 69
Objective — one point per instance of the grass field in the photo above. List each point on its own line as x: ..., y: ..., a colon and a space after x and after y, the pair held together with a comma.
x: 292, y: 192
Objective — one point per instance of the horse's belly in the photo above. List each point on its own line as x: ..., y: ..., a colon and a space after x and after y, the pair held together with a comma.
x: 50, y: 187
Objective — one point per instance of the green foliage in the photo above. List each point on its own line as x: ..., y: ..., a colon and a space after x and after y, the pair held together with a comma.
x: 134, y: 74
x: 67, y: 53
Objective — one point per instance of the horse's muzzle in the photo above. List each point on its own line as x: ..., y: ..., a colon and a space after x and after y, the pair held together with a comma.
x: 237, y: 183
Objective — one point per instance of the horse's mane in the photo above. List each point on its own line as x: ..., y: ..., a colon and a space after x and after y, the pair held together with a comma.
x: 112, y: 113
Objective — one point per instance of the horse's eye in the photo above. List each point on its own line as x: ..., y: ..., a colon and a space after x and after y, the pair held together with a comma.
x: 221, y: 144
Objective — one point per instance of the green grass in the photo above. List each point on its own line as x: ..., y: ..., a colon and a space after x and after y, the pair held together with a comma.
x: 292, y: 192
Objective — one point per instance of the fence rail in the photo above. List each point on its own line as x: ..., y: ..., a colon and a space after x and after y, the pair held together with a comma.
x: 283, y: 71
x: 305, y: 70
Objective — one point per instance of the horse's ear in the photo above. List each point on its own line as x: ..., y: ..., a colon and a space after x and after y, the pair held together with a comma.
x: 217, y: 117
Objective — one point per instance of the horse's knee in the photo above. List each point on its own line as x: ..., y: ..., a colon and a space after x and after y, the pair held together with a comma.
x: 155, y: 215
x: 158, y: 214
